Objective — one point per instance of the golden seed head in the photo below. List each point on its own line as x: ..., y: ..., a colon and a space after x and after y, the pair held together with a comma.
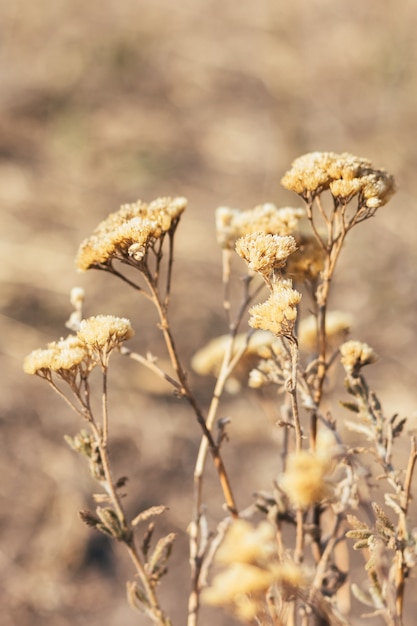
x: 279, y: 312
x: 60, y: 356
x: 134, y: 227
x: 344, y: 174
x: 265, y: 218
x: 304, y: 480
x: 264, y: 253
x: 244, y: 543
x: 104, y: 332
x: 355, y: 354
x: 338, y: 325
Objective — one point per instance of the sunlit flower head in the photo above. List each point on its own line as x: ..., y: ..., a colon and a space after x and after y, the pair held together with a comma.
x: 304, y: 480
x: 307, y: 262
x: 104, y: 332
x: 279, y: 312
x: 134, y: 227
x: 265, y: 218
x: 265, y: 253
x: 338, y: 325
x: 355, y: 354
x: 346, y: 175
x: 62, y: 357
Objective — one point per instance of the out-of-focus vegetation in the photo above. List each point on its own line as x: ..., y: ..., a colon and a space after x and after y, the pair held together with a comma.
x: 103, y: 103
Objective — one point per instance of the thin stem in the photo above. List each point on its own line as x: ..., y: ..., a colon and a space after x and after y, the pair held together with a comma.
x: 151, y: 365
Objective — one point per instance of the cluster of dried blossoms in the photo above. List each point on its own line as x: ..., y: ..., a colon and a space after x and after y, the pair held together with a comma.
x: 130, y: 233
x: 250, y: 568
x: 77, y: 355
x: 287, y: 569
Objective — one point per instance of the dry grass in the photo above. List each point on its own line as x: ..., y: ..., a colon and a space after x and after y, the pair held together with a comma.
x: 102, y: 103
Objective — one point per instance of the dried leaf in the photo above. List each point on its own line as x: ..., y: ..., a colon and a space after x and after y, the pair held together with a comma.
x: 382, y: 517
x: 350, y: 406
x: 358, y: 427
x: 362, y: 595
x: 160, y: 555
x: 146, y: 542
x: 151, y: 512
x: 353, y: 521
x: 136, y: 596
x: 389, y: 501
x: 89, y: 518
x: 358, y: 533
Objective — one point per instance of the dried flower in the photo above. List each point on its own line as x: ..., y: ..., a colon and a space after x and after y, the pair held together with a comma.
x: 338, y: 325
x: 354, y: 355
x: 304, y: 480
x: 265, y: 218
x: 279, y: 312
x: 208, y: 360
x: 251, y: 567
x: 344, y: 174
x: 274, y: 368
x: 306, y: 263
x: 104, y: 332
x: 245, y: 544
x: 135, y: 227
x: 62, y: 357
x: 264, y: 253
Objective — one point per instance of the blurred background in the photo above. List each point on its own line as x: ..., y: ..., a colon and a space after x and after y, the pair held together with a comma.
x: 102, y: 103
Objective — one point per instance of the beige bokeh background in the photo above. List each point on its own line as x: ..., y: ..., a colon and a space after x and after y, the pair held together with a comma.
x: 106, y: 102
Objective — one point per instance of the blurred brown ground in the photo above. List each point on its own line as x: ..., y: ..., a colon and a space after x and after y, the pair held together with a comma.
x: 106, y: 102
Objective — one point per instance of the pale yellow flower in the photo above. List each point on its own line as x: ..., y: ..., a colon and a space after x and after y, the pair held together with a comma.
x: 60, y: 356
x: 265, y: 253
x: 265, y: 218
x: 338, y: 325
x: 307, y: 262
x: 245, y: 543
x: 134, y: 227
x: 355, y: 354
x: 104, y: 332
x: 344, y: 174
x: 279, y: 312
x: 207, y: 361
x: 304, y: 480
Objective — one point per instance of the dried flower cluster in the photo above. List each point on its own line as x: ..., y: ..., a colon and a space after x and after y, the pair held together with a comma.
x: 318, y: 478
x: 251, y: 566
x: 129, y: 233
x: 79, y: 353
x: 306, y: 477
x: 355, y: 354
x: 265, y: 218
x: 208, y: 360
x: 344, y: 174
x: 338, y: 325
x: 265, y: 253
x: 279, y: 312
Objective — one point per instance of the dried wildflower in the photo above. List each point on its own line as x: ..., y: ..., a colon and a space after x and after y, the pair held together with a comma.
x: 355, y: 354
x: 304, y: 480
x: 103, y: 333
x: 265, y: 218
x: 250, y: 558
x: 307, y: 262
x: 279, y: 312
x: 344, y: 174
x: 338, y: 325
x: 62, y: 357
x: 135, y: 227
x: 265, y: 253
x: 274, y: 368
x: 245, y: 544
x: 208, y: 360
